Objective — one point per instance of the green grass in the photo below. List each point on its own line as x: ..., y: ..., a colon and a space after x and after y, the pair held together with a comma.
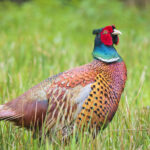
x: 40, y: 39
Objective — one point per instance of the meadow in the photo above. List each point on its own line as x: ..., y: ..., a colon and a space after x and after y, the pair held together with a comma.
x: 40, y: 39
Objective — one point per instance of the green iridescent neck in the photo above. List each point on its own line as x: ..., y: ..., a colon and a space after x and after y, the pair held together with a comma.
x: 106, y: 54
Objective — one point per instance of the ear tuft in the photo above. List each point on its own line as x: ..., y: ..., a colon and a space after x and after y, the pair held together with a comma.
x: 96, y: 31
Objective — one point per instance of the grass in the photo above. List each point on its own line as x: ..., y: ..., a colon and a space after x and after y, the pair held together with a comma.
x: 40, y: 39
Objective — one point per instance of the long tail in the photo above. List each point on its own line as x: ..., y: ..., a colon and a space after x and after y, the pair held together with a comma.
x: 25, y: 114
x: 7, y: 113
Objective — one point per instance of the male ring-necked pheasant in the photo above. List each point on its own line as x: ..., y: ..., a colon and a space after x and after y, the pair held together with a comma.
x: 86, y: 95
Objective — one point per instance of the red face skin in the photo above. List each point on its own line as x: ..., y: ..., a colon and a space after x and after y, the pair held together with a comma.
x: 106, y: 35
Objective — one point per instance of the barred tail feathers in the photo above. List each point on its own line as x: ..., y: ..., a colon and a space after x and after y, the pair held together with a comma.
x: 7, y: 113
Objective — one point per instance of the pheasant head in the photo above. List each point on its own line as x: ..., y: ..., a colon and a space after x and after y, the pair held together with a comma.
x: 103, y: 48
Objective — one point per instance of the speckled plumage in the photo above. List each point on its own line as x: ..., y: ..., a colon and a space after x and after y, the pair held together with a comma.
x: 106, y: 85
x: 86, y: 95
x: 104, y: 97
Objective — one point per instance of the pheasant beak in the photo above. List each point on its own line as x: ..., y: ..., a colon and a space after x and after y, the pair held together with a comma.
x: 116, y: 32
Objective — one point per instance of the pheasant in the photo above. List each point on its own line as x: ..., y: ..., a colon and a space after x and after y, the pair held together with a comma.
x: 86, y: 96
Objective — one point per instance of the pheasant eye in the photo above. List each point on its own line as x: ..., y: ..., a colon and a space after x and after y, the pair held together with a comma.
x: 105, y: 32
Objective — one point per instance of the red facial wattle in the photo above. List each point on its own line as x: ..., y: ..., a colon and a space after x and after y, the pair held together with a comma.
x: 106, y: 36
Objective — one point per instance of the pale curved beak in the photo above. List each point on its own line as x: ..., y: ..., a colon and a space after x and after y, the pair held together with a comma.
x: 116, y: 32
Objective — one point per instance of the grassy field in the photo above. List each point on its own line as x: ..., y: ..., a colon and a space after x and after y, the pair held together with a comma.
x: 40, y: 39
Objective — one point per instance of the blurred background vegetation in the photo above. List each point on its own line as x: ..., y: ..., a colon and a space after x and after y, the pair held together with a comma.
x: 40, y: 38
